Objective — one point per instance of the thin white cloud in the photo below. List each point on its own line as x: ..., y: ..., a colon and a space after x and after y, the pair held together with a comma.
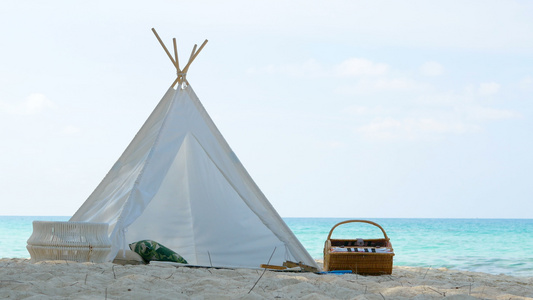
x: 431, y: 68
x: 381, y: 84
x: 425, y: 123
x: 391, y: 84
x: 489, y: 114
x: 360, y: 110
x: 443, y: 99
x: 433, y: 116
x: 309, y: 68
x: 413, y: 128
x: 361, y: 67
x: 351, y: 67
x: 365, y: 75
x: 33, y: 104
x: 488, y: 88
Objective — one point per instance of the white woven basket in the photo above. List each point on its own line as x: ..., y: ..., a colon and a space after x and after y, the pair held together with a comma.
x: 74, y: 241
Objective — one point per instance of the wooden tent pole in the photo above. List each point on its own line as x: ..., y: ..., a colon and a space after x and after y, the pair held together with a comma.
x: 193, y: 51
x: 164, y: 47
x: 176, y: 55
x: 193, y: 56
x: 201, y: 47
x: 174, y: 83
x: 175, y: 60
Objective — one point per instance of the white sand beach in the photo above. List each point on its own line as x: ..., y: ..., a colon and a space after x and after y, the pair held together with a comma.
x: 21, y: 279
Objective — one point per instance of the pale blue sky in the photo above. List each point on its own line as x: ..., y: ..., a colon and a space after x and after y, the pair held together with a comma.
x: 336, y: 108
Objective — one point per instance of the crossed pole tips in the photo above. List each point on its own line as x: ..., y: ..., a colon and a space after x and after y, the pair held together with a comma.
x: 182, y: 73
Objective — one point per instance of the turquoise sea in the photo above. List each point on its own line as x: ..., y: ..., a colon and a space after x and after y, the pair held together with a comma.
x: 496, y: 246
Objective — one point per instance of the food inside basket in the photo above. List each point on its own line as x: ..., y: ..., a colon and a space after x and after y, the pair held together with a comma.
x: 361, y: 246
x: 361, y: 250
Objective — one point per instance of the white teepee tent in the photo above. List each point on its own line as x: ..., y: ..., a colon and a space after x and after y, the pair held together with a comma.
x: 180, y: 184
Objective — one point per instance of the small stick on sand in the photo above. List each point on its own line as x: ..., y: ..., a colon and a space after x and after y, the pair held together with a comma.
x: 263, y: 271
x: 10, y: 280
x: 442, y: 294
x: 426, y: 272
x: 170, y: 275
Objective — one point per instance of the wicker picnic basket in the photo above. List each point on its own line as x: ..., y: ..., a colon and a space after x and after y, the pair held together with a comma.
x: 365, y: 257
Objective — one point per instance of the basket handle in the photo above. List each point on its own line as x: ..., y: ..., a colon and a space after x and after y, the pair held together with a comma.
x: 361, y: 221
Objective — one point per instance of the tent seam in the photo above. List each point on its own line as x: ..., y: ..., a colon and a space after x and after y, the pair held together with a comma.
x: 187, y: 184
x: 127, y: 205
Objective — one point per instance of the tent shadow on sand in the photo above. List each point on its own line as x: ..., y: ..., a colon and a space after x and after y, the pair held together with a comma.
x: 180, y: 184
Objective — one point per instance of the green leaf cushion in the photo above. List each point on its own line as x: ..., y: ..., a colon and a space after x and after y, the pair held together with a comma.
x: 150, y: 250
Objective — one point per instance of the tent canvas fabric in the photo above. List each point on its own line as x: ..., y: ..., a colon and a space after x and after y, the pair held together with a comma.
x: 180, y: 184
